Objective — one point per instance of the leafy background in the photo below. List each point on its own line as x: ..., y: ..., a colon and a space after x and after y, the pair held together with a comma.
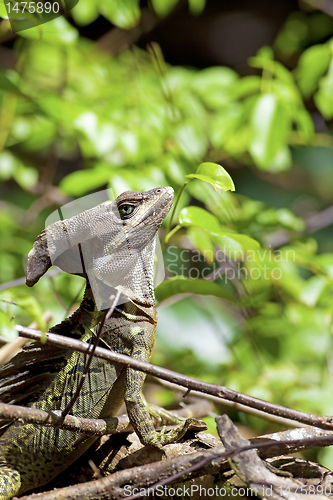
x: 134, y: 95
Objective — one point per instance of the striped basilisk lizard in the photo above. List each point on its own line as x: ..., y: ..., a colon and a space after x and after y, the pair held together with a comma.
x: 112, y: 246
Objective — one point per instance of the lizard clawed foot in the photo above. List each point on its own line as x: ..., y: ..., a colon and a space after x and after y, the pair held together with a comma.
x: 166, y: 436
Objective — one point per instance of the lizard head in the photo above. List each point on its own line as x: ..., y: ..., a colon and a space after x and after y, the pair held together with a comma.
x: 144, y: 208
x: 113, y: 244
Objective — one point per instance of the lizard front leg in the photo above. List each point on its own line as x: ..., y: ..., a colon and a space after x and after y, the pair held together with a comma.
x: 138, y: 412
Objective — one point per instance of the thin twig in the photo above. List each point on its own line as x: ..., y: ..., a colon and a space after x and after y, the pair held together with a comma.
x: 232, y: 405
x: 189, y: 382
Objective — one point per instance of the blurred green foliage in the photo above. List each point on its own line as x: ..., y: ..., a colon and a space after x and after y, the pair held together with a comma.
x: 75, y: 119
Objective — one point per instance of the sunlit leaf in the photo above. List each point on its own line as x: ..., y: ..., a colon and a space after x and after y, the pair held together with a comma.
x: 81, y: 182
x: 7, y: 330
x: 312, y: 64
x: 325, y: 263
x: 215, y: 86
x: 215, y: 175
x: 103, y: 136
x: 180, y: 284
x: 85, y: 12
x: 270, y: 127
x: 58, y: 31
x: 246, y: 86
x: 25, y: 176
x: 196, y: 216
x: 3, y: 11
x: 122, y: 13
x: 235, y: 246
x: 304, y: 123
x: 324, y: 97
x: 28, y: 303
x: 163, y: 7
x: 192, y: 143
x: 9, y: 80
x: 8, y: 164
x: 202, y: 241
x: 312, y: 291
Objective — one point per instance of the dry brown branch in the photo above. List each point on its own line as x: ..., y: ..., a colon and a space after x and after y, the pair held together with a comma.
x: 231, y: 405
x: 92, y: 427
x: 181, y: 464
x: 253, y: 472
x: 188, y: 382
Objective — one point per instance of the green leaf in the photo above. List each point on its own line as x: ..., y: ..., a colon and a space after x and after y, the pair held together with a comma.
x: 282, y: 216
x: 57, y: 31
x: 180, y: 284
x: 103, y: 136
x: 325, y: 263
x: 214, y: 85
x: 312, y: 64
x: 202, y: 241
x: 123, y: 13
x: 85, y: 12
x: 312, y: 290
x: 196, y: 216
x: 8, y: 164
x: 25, y: 176
x: 215, y: 175
x: 304, y: 123
x: 3, y: 11
x: 270, y: 126
x: 235, y: 245
x: 324, y: 97
x: 81, y: 182
x: 163, y: 7
x: 29, y: 304
x: 191, y: 141
x: 196, y: 6
x: 246, y: 86
x: 266, y: 53
x: 7, y: 329
x: 225, y: 124
x: 9, y: 80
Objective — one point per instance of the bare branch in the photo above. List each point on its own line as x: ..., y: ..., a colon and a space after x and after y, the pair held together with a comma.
x: 91, y: 427
x: 189, y: 382
x: 172, y: 470
x: 232, y: 405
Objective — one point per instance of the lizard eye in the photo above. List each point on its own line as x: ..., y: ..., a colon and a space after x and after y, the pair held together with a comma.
x: 125, y: 210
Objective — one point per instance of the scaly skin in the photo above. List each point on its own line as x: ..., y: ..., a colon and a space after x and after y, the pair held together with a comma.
x: 30, y: 455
